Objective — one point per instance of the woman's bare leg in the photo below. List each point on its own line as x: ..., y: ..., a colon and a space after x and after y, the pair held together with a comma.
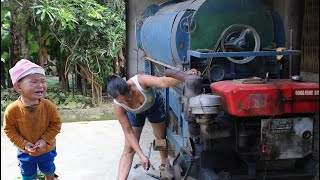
x: 127, y: 156
x: 159, y: 131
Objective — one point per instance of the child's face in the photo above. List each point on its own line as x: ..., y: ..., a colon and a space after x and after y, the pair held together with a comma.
x: 32, y: 87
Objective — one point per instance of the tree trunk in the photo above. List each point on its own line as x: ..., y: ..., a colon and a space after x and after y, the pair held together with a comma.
x: 84, y: 87
x: 14, y: 55
x: 79, y: 81
x: 40, y: 44
x: 62, y: 78
x: 3, y: 82
x: 24, y: 26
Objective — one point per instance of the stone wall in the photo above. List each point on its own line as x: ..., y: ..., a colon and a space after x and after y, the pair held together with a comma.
x: 92, y: 114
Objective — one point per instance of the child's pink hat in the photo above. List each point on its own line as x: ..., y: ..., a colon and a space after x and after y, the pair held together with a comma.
x: 23, y: 68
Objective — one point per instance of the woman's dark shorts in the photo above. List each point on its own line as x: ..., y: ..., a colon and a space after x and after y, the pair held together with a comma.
x: 155, y: 114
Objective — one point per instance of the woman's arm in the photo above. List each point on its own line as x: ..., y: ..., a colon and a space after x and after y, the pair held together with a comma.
x: 122, y: 117
x: 163, y: 81
x: 154, y: 81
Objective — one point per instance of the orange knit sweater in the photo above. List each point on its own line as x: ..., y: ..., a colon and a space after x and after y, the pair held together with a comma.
x: 22, y: 124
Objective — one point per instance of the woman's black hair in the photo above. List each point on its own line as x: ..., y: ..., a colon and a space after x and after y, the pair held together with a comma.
x: 117, y: 86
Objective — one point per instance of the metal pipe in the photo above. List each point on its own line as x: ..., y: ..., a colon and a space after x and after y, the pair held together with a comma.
x: 162, y: 64
x: 188, y: 170
x: 153, y: 176
x: 149, y: 174
x: 193, y: 83
x: 191, y: 162
x: 290, y: 58
x: 175, y: 159
x: 149, y: 153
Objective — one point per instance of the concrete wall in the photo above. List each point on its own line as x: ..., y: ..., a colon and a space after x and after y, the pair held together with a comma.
x: 92, y: 114
x: 308, y: 76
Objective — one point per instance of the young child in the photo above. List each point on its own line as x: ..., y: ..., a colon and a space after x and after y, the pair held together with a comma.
x: 32, y: 122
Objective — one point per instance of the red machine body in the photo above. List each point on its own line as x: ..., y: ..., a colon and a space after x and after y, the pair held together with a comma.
x: 271, y: 98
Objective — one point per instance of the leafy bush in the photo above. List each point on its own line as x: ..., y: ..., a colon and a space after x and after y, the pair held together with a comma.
x: 63, y: 100
x: 7, y: 97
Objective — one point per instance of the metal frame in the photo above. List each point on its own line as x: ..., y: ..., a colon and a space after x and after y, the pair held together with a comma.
x: 241, y: 54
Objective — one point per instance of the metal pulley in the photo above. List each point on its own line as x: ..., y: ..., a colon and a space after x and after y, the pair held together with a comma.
x: 205, y: 104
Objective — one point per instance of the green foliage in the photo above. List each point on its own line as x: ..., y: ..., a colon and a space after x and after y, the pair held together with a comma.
x: 75, y: 32
x: 66, y: 100
x: 63, y: 100
x: 5, y: 25
x: 90, y: 33
x: 4, y: 56
x: 8, y: 96
x: 34, y: 46
x: 53, y: 12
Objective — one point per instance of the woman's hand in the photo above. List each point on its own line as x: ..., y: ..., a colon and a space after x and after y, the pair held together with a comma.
x: 193, y: 72
x: 145, y: 162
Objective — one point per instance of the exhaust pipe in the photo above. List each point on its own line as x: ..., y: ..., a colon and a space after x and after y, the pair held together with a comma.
x: 193, y: 83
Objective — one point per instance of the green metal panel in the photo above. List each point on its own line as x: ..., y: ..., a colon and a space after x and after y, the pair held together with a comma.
x: 214, y: 16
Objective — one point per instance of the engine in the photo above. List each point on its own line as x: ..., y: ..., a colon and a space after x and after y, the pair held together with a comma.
x: 239, y: 120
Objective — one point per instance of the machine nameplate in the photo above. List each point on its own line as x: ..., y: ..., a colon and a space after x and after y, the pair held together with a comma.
x: 306, y: 93
x: 281, y: 125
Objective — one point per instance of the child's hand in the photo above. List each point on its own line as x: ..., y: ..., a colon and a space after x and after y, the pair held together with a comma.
x: 30, y: 147
x: 41, y: 145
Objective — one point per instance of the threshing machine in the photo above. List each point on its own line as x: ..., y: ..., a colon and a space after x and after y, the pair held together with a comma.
x: 240, y: 119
